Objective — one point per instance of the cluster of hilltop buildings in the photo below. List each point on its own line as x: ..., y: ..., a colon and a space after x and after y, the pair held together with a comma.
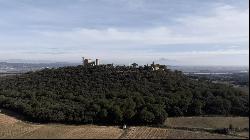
x: 90, y: 62
x: 156, y: 66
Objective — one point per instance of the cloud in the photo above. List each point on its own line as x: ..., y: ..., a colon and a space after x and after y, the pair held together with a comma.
x: 226, y: 21
x: 223, y: 25
x: 226, y: 24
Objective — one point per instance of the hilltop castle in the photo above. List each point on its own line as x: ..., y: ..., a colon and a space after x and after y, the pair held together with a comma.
x: 96, y: 62
x: 90, y: 62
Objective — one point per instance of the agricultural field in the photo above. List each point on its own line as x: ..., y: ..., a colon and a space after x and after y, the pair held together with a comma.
x: 208, y: 122
x: 15, y: 128
x: 163, y: 133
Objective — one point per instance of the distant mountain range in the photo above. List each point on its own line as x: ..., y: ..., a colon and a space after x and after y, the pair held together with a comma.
x: 166, y: 61
x: 23, y: 66
x: 29, y: 61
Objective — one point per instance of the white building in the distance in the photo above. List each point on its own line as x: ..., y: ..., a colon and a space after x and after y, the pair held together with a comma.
x: 90, y: 62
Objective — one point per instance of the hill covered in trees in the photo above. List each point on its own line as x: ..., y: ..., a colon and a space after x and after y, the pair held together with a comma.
x: 116, y: 95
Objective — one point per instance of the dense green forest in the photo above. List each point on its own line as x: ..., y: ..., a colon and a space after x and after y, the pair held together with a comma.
x: 116, y: 95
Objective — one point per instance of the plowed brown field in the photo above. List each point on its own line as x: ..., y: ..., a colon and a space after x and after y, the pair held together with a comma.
x: 162, y: 133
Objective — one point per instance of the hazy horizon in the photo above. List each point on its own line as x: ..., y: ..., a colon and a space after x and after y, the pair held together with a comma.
x: 193, y: 32
x: 111, y: 61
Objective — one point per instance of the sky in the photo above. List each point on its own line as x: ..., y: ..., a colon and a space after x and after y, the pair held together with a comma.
x: 175, y: 32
